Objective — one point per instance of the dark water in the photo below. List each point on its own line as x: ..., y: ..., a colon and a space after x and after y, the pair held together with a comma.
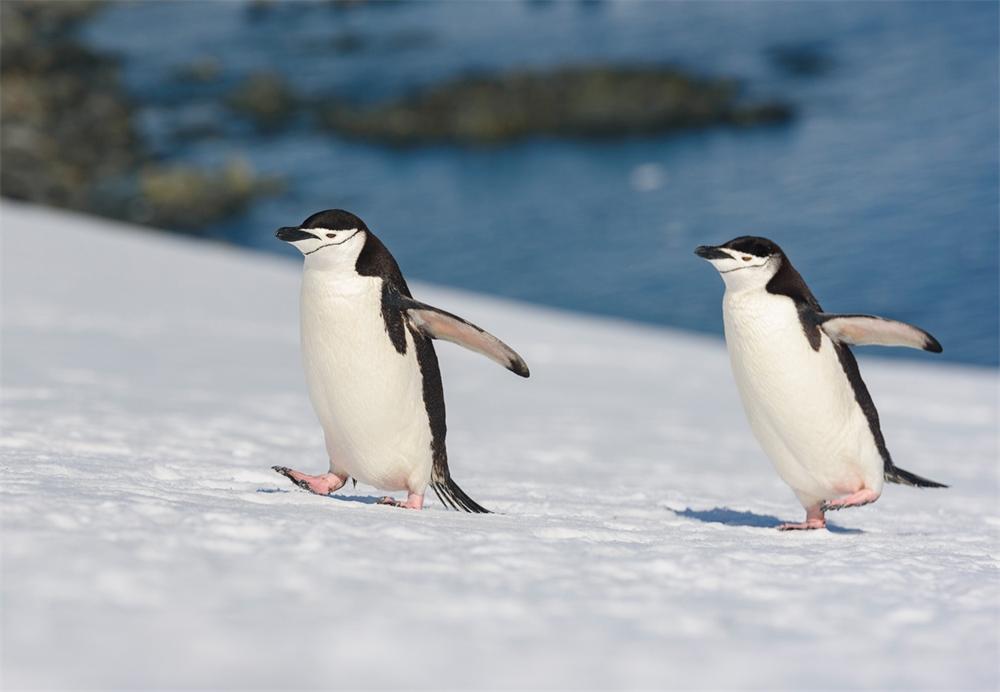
x: 884, y: 191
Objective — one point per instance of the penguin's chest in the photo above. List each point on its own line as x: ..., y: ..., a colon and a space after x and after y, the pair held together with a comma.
x: 367, y: 395
x: 798, y: 400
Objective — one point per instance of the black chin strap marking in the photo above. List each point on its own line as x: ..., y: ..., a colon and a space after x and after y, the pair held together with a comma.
x: 329, y: 244
x: 751, y: 266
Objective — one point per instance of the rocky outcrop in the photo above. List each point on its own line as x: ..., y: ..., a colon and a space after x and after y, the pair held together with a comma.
x: 266, y: 99
x: 185, y: 197
x: 65, y: 120
x: 68, y: 139
x: 573, y: 102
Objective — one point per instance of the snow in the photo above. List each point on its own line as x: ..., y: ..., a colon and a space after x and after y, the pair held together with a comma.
x: 149, y: 382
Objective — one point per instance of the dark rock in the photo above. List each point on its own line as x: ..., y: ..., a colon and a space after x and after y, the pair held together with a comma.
x: 265, y: 98
x: 410, y: 39
x: 258, y: 10
x: 573, y: 102
x: 358, y: 4
x: 185, y: 197
x: 191, y: 130
x: 352, y: 42
x: 348, y: 42
x: 801, y: 59
x: 204, y: 70
x: 28, y: 23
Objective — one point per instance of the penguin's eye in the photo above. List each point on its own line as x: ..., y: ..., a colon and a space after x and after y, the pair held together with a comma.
x: 747, y: 258
x: 331, y: 235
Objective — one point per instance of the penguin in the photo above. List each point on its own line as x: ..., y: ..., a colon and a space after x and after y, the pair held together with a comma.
x: 371, y: 368
x: 799, y: 381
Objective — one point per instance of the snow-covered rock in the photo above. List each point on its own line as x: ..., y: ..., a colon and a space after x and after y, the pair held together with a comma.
x: 150, y: 382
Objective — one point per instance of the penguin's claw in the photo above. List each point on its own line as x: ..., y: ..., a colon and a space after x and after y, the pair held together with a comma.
x: 859, y: 499
x: 827, y: 507
x: 318, y: 485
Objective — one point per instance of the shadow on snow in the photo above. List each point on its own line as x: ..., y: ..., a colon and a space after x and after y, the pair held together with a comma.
x: 363, y: 499
x: 732, y: 517
x: 718, y: 515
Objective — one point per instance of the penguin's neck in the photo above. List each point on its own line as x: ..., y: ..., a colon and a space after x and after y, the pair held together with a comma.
x: 755, y: 315
x: 339, y: 312
x: 745, y: 298
x: 334, y: 283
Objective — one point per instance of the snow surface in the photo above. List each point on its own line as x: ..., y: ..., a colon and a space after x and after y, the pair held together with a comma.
x: 149, y: 383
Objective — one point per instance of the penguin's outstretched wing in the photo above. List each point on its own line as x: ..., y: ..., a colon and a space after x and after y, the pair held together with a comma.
x: 438, y: 324
x: 868, y: 330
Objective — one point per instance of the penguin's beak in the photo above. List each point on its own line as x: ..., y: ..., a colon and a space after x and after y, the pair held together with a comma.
x: 291, y: 234
x: 710, y: 252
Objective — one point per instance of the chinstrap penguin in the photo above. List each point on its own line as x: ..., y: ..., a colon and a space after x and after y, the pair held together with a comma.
x: 799, y: 382
x: 371, y: 368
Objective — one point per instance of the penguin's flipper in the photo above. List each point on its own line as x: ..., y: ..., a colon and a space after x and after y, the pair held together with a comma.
x: 438, y: 324
x: 868, y: 330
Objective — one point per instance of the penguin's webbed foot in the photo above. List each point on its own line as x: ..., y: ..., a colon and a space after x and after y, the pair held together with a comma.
x: 413, y: 501
x: 814, y: 520
x: 807, y: 525
x: 318, y: 485
x: 859, y: 499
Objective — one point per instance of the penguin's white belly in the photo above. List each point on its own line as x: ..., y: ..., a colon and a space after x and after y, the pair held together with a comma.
x: 368, y: 396
x: 799, y: 401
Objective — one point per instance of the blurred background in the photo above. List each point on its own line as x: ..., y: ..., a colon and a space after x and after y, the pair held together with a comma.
x: 564, y: 153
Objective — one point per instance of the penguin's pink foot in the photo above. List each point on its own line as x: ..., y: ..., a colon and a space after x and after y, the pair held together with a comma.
x: 858, y: 499
x: 320, y: 485
x: 806, y: 525
x: 413, y: 501
x: 814, y: 520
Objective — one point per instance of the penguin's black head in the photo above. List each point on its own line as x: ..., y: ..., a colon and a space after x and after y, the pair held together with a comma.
x: 745, y: 261
x: 326, y: 232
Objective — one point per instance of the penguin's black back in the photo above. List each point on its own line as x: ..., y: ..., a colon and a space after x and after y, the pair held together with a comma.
x: 376, y: 260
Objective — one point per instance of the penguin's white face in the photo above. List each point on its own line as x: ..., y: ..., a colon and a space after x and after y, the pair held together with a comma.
x: 329, y: 240
x: 744, y: 263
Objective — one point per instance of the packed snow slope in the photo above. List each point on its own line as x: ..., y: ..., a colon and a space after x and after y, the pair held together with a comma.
x: 150, y: 382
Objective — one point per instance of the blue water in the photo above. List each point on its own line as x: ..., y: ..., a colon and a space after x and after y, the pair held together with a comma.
x: 884, y: 192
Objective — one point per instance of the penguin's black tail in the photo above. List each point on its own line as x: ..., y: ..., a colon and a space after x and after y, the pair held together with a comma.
x: 895, y: 474
x: 452, y: 496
